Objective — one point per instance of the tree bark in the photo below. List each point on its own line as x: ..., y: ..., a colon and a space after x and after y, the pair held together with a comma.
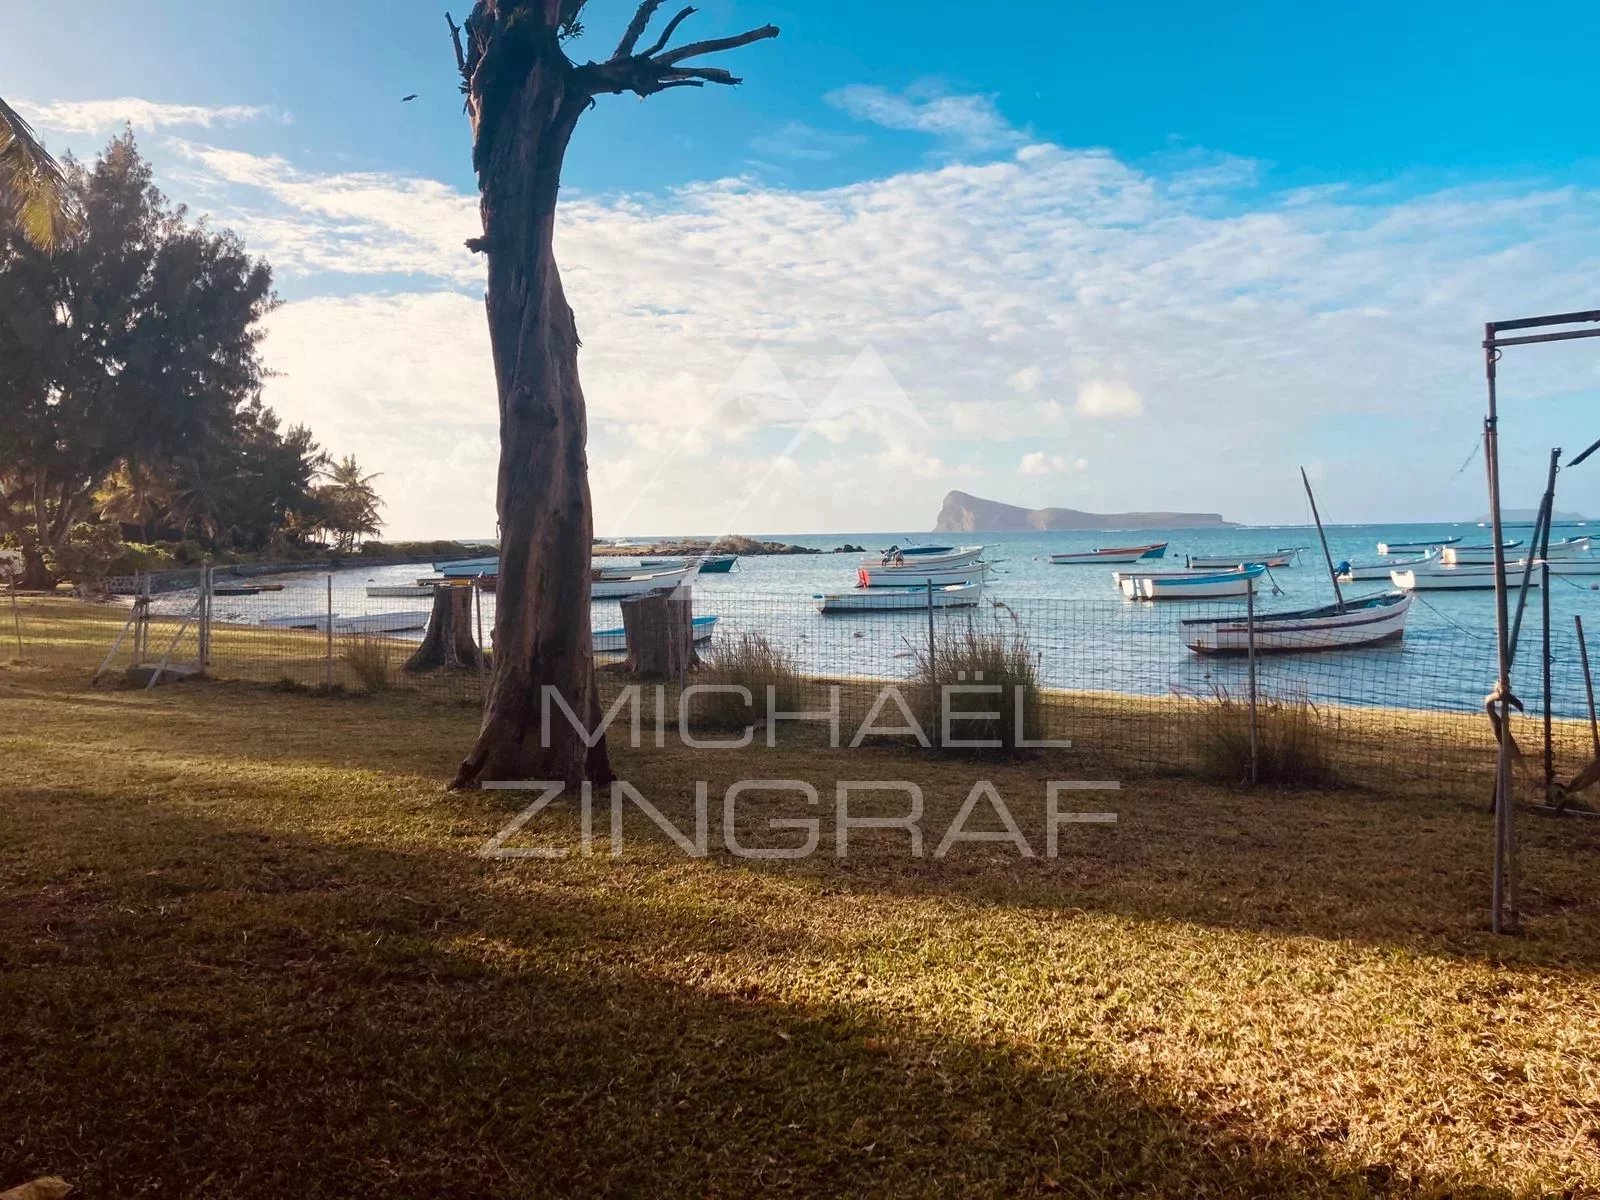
x: 36, y: 576
x: 448, y: 644
x: 659, y: 631
x: 523, y: 117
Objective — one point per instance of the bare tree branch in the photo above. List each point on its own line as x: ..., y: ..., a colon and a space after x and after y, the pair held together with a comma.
x: 667, y: 33
x: 709, y: 74
x: 715, y: 45
x: 455, y: 39
x: 636, y: 28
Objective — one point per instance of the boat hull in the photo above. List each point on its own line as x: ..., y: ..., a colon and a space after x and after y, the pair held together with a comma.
x: 400, y: 591
x: 920, y: 563
x: 1191, y: 585
x: 1389, y: 548
x: 638, y: 584
x: 1115, y: 554
x: 1472, y: 556
x: 615, y: 641
x: 1461, y: 579
x: 876, y: 577
x: 1360, y: 572
x: 1206, y: 562
x: 1374, y: 621
x: 899, y: 599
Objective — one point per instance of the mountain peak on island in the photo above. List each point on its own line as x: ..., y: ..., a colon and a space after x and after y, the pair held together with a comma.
x: 963, y: 513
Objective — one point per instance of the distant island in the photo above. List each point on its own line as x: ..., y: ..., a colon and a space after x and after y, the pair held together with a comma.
x: 1528, y: 516
x: 962, y: 513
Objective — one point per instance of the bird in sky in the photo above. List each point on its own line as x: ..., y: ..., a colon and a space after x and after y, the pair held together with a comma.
x: 403, y: 99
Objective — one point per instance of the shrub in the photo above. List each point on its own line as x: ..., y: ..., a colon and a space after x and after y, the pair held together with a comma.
x: 746, y: 660
x: 371, y: 661
x: 1293, y: 741
x: 976, y: 654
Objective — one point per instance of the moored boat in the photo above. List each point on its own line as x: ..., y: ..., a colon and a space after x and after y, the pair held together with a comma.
x: 920, y: 575
x: 1283, y: 556
x: 1572, y: 547
x: 393, y: 622
x: 1191, y: 585
x: 638, y: 583
x: 1111, y: 554
x: 1415, y: 547
x: 1473, y: 556
x: 710, y: 564
x: 1369, y: 621
x: 1349, y: 572
x: 613, y: 641
x: 1464, y: 578
x: 400, y: 591
x: 919, y: 558
x: 468, y: 567
x: 899, y: 598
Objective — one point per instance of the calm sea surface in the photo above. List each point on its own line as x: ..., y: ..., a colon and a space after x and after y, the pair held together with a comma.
x: 1085, y: 634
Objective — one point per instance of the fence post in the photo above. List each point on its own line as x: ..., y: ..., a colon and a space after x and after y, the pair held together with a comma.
x: 1250, y: 651
x: 932, y: 675
x: 328, y: 670
x: 16, y: 616
x: 483, y: 666
x: 207, y: 584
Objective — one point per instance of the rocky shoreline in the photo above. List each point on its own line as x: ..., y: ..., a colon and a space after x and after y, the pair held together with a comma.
x: 734, y: 544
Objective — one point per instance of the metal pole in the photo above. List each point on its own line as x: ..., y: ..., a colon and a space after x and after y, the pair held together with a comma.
x: 1502, y: 915
x: 1250, y: 646
x: 328, y: 669
x: 1544, y: 625
x: 1588, y: 684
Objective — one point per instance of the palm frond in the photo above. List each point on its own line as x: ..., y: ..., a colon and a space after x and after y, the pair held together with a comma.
x: 32, y: 186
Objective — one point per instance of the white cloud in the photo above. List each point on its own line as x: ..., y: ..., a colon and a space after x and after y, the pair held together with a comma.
x: 97, y: 116
x: 970, y: 120
x: 1099, y: 398
x: 978, y: 289
x: 805, y: 143
x: 1037, y: 462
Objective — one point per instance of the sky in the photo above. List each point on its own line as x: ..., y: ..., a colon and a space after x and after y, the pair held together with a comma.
x: 1108, y: 257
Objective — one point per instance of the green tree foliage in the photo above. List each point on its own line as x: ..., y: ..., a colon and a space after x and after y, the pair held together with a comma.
x: 347, y: 503
x: 33, y: 193
x: 130, y: 378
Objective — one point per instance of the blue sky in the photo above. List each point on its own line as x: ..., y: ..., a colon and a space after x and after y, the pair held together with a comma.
x: 1104, y: 256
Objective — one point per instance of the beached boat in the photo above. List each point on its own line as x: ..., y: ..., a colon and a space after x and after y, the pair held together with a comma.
x: 899, y: 599
x: 1283, y: 556
x: 1110, y: 554
x: 615, y: 641
x: 1192, y: 585
x: 398, y: 591
x: 393, y: 622
x: 1369, y: 621
x: 235, y: 589
x: 919, y: 558
x: 1473, y: 556
x: 1349, y: 572
x: 919, y: 576
x: 1415, y: 547
x: 1461, y: 579
x: 606, y: 587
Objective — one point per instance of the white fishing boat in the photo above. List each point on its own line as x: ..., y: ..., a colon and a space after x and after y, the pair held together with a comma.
x: 1572, y: 547
x: 918, y: 558
x: 466, y: 568
x: 1349, y: 572
x: 1473, y: 556
x: 899, y: 599
x: 1575, y: 568
x: 1193, y: 585
x: 400, y: 591
x: 391, y: 622
x: 1369, y: 621
x: 1390, y: 548
x: 939, y: 574
x: 638, y: 583
x: 1283, y: 556
x: 1110, y: 554
x: 1461, y: 579
x: 615, y: 641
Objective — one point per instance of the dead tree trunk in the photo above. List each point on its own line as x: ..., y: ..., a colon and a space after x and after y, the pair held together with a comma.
x: 448, y: 644
x: 525, y: 97
x: 36, y: 576
x: 659, y: 628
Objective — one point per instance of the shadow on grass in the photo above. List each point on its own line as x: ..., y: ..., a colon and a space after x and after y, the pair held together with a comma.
x: 196, y: 1004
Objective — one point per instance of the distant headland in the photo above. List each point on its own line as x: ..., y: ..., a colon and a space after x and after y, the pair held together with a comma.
x: 963, y: 513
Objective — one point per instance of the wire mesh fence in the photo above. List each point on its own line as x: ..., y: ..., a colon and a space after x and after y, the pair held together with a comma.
x: 1113, y: 685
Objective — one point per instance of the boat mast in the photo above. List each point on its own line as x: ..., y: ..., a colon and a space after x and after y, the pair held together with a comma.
x: 1333, y: 576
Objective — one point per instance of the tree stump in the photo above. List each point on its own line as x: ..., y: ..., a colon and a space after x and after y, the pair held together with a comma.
x: 449, y: 643
x: 659, y: 628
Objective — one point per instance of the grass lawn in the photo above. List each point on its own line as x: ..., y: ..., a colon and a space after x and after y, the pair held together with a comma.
x: 248, y: 948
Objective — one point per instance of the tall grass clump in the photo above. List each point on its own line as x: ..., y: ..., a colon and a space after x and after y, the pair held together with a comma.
x: 976, y: 654
x: 371, y: 661
x: 746, y: 660
x: 1294, y: 744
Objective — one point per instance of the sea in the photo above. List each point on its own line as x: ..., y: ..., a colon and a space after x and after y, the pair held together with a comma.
x: 1083, y: 633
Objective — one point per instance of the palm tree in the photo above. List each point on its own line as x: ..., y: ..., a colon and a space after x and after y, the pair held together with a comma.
x: 32, y: 187
x: 349, y: 503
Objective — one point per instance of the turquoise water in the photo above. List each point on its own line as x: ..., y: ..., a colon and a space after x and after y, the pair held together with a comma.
x: 1087, y: 636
